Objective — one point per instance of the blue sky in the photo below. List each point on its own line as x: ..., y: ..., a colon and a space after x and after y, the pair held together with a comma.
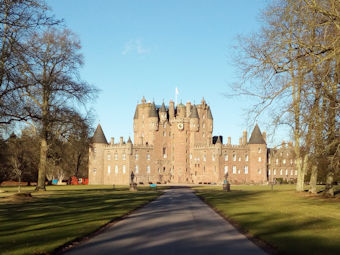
x: 148, y: 48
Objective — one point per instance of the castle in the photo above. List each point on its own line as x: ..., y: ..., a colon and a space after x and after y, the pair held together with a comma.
x: 175, y: 144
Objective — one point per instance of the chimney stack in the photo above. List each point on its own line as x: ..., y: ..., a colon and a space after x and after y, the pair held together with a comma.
x: 240, y: 141
x: 121, y: 140
x: 244, y: 137
x: 229, y: 140
x: 112, y: 141
x: 171, y: 109
x: 188, y: 109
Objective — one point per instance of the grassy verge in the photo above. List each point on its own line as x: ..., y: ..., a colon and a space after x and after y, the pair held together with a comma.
x: 293, y: 223
x: 50, y: 219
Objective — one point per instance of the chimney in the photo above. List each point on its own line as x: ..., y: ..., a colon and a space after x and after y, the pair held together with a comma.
x: 112, y: 141
x: 171, y: 109
x: 229, y: 140
x: 283, y: 144
x: 240, y: 141
x: 121, y: 140
x: 264, y: 135
x: 188, y: 109
x: 244, y: 137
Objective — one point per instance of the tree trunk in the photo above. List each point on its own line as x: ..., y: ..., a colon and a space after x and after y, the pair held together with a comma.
x: 19, y: 188
x: 301, y: 167
x: 313, y: 179
x: 42, y: 165
x: 329, y: 191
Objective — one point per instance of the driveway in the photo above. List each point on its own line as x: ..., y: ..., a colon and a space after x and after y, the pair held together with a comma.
x: 178, y: 222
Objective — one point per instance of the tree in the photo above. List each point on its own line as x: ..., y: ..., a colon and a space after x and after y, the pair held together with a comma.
x: 294, y: 61
x: 53, y: 90
x: 18, y: 19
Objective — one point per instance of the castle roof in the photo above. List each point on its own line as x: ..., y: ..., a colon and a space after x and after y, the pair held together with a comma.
x: 180, y: 105
x: 136, y: 114
x: 209, y: 115
x: 194, y: 113
x: 162, y: 109
x: 256, y: 136
x: 218, y: 140
x: 98, y: 136
x: 129, y: 140
x: 153, y: 111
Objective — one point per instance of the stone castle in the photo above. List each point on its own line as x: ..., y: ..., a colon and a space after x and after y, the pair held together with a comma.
x: 175, y: 144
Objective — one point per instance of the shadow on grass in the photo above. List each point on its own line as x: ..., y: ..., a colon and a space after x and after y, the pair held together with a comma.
x: 290, y: 223
x: 41, y: 225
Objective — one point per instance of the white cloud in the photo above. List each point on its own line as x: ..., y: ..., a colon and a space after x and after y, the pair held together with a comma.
x: 135, y: 45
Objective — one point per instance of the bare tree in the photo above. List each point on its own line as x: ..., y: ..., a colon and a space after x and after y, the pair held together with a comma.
x: 288, y: 60
x: 53, y: 89
x: 18, y: 19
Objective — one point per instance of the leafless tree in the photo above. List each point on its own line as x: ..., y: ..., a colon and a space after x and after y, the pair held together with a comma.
x: 53, y: 89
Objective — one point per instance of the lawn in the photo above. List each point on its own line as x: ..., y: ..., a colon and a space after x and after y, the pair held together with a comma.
x: 50, y: 219
x: 293, y: 223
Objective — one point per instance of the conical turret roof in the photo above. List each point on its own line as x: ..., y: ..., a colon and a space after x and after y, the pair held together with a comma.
x: 218, y: 140
x: 162, y: 109
x: 209, y: 115
x: 153, y: 111
x: 194, y: 113
x: 98, y: 136
x: 256, y: 136
x: 129, y: 140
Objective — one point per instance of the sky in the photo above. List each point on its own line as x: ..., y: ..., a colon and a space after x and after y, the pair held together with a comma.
x: 148, y: 48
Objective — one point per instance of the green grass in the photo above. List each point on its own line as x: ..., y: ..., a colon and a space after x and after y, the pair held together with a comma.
x: 293, y: 223
x: 61, y: 214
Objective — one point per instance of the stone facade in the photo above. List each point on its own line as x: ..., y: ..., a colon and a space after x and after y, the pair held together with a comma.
x: 176, y: 145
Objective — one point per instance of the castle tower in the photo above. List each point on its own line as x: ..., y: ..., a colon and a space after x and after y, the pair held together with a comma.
x: 257, y: 156
x: 153, y: 118
x: 194, y: 120
x: 96, y: 156
x: 162, y: 114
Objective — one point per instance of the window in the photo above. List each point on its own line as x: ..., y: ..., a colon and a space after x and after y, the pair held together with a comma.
x: 108, y: 169
x: 246, y: 169
x: 226, y: 157
x: 94, y: 170
x: 204, y: 158
x: 225, y: 169
x: 148, y: 156
x: 291, y: 162
x: 277, y: 161
x: 280, y: 171
x: 136, y: 156
x: 159, y: 170
x: 268, y: 171
x: 124, y: 156
x: 136, y: 169
x: 239, y: 159
x: 239, y: 171
x: 269, y: 160
x: 203, y: 125
x: 164, y: 133
x: 190, y: 156
x: 148, y: 169
x: 291, y: 172
x: 213, y: 157
x: 124, y: 169
x: 164, y: 152
x: 246, y: 158
x: 234, y: 157
x: 295, y: 172
x: 164, y: 125
x: 259, y: 171
x: 286, y: 171
x: 274, y: 172
x: 234, y: 169
x: 116, y: 156
x: 116, y: 169
x: 284, y: 161
x: 94, y: 149
x: 108, y: 156
x: 260, y: 159
x: 259, y: 150
x: 281, y: 154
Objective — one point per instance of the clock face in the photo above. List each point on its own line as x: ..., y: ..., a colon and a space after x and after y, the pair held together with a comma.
x: 180, y: 126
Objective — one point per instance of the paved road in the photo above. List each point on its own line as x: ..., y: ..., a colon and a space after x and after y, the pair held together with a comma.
x: 174, y: 224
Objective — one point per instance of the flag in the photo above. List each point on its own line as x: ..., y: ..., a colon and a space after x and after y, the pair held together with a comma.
x: 177, y: 92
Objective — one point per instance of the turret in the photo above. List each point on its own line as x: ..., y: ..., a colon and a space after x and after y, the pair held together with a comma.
x: 171, y: 109
x: 153, y: 117
x: 188, y: 109
x: 218, y: 145
x: 98, y: 136
x: 162, y: 114
x: 180, y: 111
x: 209, y: 120
x: 129, y: 145
x: 194, y: 119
